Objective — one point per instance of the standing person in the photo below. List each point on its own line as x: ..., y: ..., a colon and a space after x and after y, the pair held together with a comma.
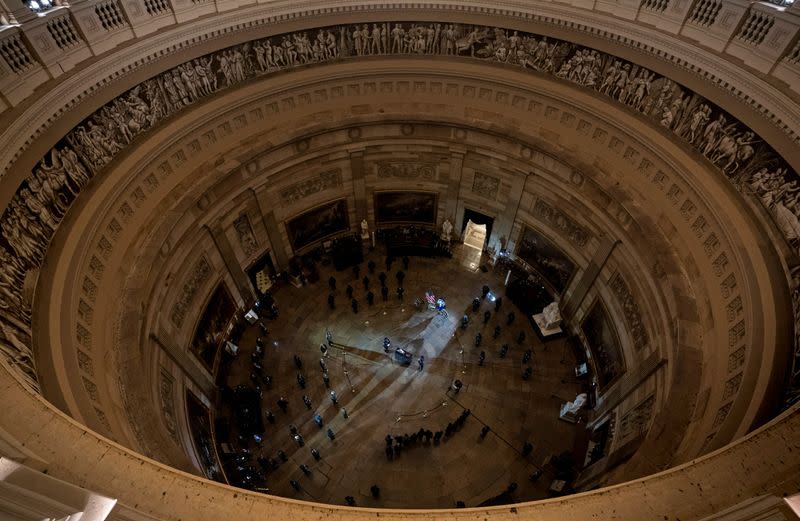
x: 349, y: 291
x: 496, y: 332
x: 478, y: 339
x: 354, y: 305
x: 482, y: 357
x: 497, y: 304
x: 365, y: 281
x: 400, y: 291
x: 511, y: 317
x: 421, y: 362
x: 400, y: 276
x: 382, y: 278
x: 332, y: 283
x: 331, y: 434
x: 370, y: 298
x: 487, y: 315
x: 334, y: 397
x: 385, y: 293
x: 371, y: 267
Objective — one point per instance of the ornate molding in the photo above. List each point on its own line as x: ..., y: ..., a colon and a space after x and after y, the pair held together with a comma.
x: 631, y: 311
x: 245, y: 235
x: 200, y: 274
x: 166, y: 393
x: 406, y: 170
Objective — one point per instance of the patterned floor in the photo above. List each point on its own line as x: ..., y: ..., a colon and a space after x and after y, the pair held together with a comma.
x: 382, y: 397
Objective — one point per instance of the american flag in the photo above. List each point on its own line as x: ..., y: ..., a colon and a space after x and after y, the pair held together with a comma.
x: 430, y: 297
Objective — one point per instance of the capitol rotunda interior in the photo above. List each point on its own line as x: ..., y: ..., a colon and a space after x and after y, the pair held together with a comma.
x: 355, y: 259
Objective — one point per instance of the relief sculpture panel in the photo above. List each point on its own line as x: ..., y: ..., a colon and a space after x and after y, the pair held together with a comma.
x: 406, y: 170
x: 306, y: 187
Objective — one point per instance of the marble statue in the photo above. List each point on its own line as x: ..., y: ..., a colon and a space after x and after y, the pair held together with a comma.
x: 570, y: 410
x: 552, y: 315
x: 364, y: 229
x: 447, y: 229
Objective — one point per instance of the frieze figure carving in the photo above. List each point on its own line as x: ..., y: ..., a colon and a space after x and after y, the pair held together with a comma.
x: 244, y: 232
x: 631, y: 311
x: 42, y: 199
x: 635, y: 421
x: 200, y: 274
x: 576, y: 233
x: 167, y: 396
x: 406, y: 170
x: 485, y: 185
x: 313, y: 185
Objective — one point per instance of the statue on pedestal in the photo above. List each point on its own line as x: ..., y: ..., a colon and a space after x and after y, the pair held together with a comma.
x: 570, y: 410
x: 552, y: 315
x: 447, y: 229
x: 364, y: 229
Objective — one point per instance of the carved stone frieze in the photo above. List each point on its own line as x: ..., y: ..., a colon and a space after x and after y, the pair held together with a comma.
x: 406, y: 170
x: 485, y: 185
x: 635, y: 421
x: 630, y: 309
x: 312, y: 185
x: 200, y: 274
x: 577, y: 234
x: 244, y: 232
x: 166, y: 393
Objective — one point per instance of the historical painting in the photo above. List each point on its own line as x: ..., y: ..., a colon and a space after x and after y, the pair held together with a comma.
x: 210, y: 330
x: 603, y: 342
x: 405, y: 207
x: 200, y: 427
x: 318, y: 223
x: 551, y: 263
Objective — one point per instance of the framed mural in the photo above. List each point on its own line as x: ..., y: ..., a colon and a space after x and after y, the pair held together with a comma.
x: 210, y: 329
x: 405, y: 207
x: 601, y: 336
x: 318, y: 223
x: 551, y: 263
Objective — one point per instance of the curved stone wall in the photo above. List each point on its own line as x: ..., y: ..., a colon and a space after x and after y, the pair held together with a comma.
x: 33, y: 214
x: 159, y: 193
x: 631, y: 164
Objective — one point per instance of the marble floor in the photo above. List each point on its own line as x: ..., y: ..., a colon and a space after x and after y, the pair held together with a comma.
x: 382, y: 397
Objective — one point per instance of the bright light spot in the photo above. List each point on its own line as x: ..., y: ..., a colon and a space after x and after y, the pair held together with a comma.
x: 275, y: 343
x: 491, y: 297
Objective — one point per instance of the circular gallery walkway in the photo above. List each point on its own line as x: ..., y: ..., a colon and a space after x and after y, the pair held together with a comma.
x: 383, y: 397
